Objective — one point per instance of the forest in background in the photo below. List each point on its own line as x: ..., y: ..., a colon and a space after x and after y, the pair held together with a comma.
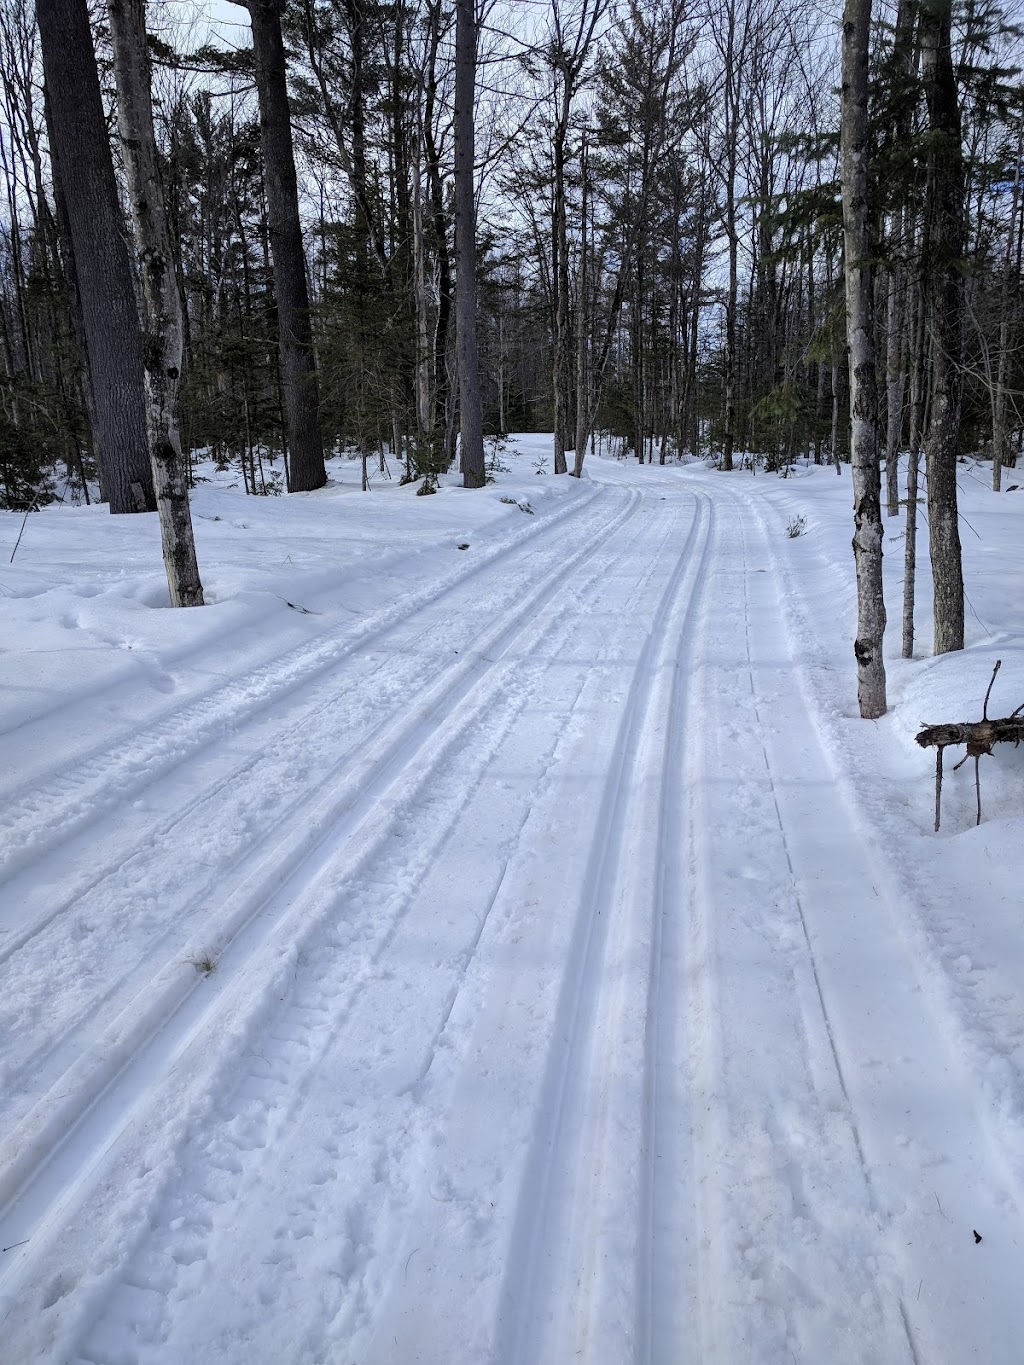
x: 658, y: 244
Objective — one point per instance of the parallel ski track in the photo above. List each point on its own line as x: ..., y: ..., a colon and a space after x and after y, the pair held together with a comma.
x: 275, y: 1072
x: 572, y: 1138
x: 667, y: 1280
x: 47, y: 811
x: 107, y: 780
x: 44, y: 1175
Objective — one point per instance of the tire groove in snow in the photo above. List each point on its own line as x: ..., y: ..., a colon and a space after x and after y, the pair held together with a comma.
x: 233, y: 975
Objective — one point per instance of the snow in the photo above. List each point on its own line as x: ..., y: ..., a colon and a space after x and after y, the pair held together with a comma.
x: 516, y: 953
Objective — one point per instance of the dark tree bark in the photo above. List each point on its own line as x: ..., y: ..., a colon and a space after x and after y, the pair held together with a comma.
x: 164, y: 333
x: 69, y: 270
x: 470, y: 416
x: 439, y: 222
x: 109, y: 317
x: 732, y: 115
x: 945, y: 282
x: 999, y: 423
x: 560, y: 272
x: 298, y: 363
x: 897, y: 310
x: 917, y: 406
x: 867, y: 511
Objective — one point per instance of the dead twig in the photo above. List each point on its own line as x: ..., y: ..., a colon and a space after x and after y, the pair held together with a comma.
x: 979, y: 736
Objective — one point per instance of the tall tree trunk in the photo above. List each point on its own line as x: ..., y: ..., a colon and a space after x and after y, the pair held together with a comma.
x: 164, y: 345
x: 895, y: 373
x: 1003, y: 361
x: 582, y: 325
x: 867, y: 512
x: 424, y: 349
x: 944, y: 267
x: 560, y: 271
x: 442, y: 326
x: 733, y: 78
x: 917, y: 403
x: 298, y: 363
x: 470, y: 416
x: 69, y: 270
x: 896, y: 321
x: 109, y: 316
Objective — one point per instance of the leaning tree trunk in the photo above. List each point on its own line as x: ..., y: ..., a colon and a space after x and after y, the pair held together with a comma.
x: 164, y: 332
x: 109, y: 316
x: 470, y: 416
x: 298, y: 364
x: 867, y: 539
x: 945, y: 284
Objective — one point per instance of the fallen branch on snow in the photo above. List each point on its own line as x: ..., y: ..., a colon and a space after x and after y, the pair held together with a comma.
x: 978, y: 735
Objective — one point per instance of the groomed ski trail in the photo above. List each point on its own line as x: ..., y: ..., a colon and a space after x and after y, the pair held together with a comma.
x: 567, y: 1012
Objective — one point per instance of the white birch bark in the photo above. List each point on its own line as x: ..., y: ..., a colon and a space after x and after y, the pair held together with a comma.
x: 163, y: 331
x: 867, y: 539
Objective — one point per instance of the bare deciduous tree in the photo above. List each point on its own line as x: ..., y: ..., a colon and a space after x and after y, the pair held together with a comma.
x: 82, y: 159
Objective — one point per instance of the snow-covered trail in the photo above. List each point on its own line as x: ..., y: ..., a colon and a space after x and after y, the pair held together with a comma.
x: 563, y: 1008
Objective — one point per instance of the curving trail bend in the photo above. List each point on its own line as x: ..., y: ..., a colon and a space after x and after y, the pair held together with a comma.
x: 563, y: 1007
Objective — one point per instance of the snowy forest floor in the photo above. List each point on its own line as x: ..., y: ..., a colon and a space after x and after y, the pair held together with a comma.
x: 483, y: 935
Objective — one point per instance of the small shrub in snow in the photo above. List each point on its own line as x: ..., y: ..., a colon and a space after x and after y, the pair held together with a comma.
x: 796, y: 527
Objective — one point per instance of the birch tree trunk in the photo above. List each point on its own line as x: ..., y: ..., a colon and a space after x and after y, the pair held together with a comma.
x: 470, y: 415
x: 298, y: 364
x: 163, y: 333
x: 109, y: 315
x: 867, y: 512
